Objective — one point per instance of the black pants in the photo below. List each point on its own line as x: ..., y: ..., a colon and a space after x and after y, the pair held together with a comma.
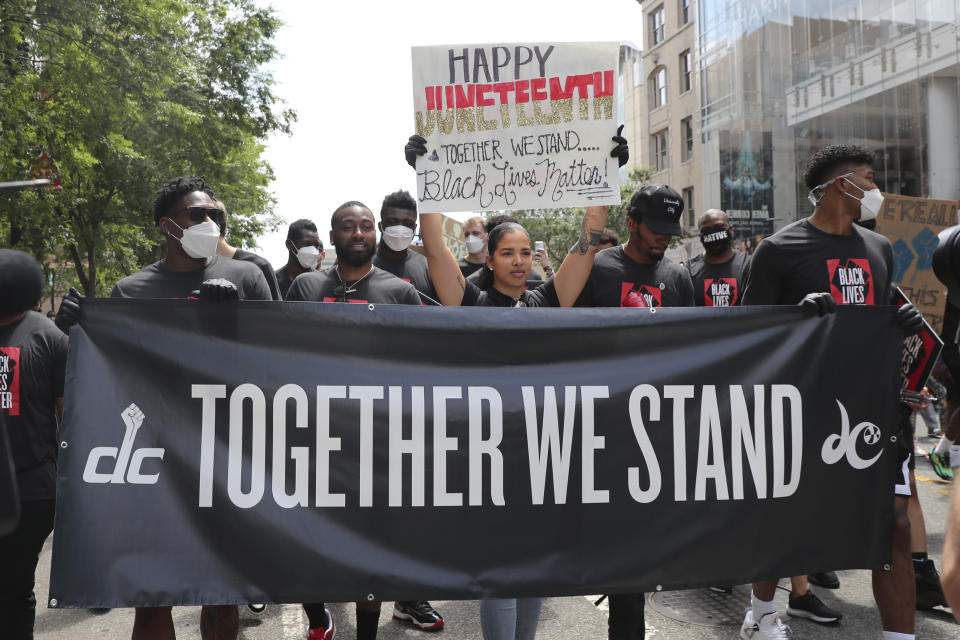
x: 626, y: 616
x: 19, y: 553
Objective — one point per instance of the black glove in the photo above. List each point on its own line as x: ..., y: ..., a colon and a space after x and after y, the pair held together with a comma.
x: 69, y: 312
x: 416, y: 146
x: 621, y: 152
x: 218, y: 290
x: 909, y: 319
x: 822, y: 303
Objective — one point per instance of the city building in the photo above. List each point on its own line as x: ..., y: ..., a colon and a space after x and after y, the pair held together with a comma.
x: 662, y: 100
x: 780, y: 79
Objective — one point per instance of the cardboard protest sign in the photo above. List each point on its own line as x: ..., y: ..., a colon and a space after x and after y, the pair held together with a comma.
x: 516, y: 126
x: 912, y: 225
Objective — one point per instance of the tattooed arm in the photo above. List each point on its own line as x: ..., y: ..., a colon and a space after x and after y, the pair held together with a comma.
x: 444, y: 271
x: 575, y: 270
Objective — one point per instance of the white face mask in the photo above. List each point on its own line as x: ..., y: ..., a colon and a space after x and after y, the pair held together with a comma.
x: 398, y: 237
x: 870, y: 203
x: 474, y: 244
x: 200, y: 240
x: 307, y: 256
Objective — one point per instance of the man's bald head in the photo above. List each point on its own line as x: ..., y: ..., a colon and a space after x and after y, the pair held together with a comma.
x: 712, y: 218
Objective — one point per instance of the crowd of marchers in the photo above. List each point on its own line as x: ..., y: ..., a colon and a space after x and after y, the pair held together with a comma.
x: 797, y: 265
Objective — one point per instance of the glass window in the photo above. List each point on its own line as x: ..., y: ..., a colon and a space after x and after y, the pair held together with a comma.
x: 684, y: 11
x: 657, y: 29
x: 686, y: 72
x: 658, y: 87
x: 686, y: 130
x: 658, y: 144
x: 688, y: 204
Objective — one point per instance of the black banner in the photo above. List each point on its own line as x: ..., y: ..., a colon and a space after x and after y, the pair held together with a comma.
x: 298, y: 452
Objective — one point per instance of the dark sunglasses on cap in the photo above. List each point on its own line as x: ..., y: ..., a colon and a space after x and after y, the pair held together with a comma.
x: 199, y: 214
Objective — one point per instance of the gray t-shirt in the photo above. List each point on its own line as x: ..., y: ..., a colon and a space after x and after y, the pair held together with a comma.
x: 156, y: 281
x: 265, y: 267
x: 379, y: 287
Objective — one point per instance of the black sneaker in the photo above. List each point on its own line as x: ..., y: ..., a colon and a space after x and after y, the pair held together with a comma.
x: 420, y: 614
x: 825, y: 579
x: 809, y: 606
x: 929, y: 591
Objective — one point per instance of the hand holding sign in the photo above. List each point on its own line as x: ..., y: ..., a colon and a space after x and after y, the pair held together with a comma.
x: 909, y: 319
x: 621, y: 152
x: 416, y: 146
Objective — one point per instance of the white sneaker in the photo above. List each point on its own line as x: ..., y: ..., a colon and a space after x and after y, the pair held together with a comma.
x: 769, y: 628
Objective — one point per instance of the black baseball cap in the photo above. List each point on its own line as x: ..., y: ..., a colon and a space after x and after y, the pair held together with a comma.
x: 660, y: 207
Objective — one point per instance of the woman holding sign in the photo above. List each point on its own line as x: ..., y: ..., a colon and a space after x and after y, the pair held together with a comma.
x: 508, y: 263
x: 510, y: 256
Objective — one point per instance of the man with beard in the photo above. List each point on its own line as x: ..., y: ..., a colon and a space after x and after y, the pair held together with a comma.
x: 828, y: 256
x: 636, y: 274
x: 398, y: 224
x: 304, y: 253
x: 353, y: 234
x: 719, y: 273
x: 355, y: 279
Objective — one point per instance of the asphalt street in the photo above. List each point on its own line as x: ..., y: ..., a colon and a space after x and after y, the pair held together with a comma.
x: 574, y: 617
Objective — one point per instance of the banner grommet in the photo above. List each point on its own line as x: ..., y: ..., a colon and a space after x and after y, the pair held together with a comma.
x: 53, y: 602
x: 370, y: 596
x: 371, y: 307
x: 63, y: 444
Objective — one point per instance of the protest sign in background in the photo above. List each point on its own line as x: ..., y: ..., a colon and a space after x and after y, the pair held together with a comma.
x: 516, y: 126
x: 912, y: 225
x: 303, y: 452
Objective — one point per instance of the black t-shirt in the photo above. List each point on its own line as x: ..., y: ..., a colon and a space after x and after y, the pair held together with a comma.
x: 265, y: 267
x: 801, y: 259
x: 283, y: 281
x: 412, y: 269
x: 156, y: 281
x: 33, y: 361
x: 617, y: 280
x: 543, y: 296
x: 379, y: 287
x: 719, y: 285
x: 466, y: 267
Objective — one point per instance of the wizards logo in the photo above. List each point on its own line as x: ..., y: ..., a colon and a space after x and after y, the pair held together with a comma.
x: 720, y: 292
x: 640, y: 295
x: 10, y: 380
x: 851, y: 281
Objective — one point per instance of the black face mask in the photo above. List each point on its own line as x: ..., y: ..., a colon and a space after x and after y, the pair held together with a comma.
x: 716, y: 240
x: 21, y: 282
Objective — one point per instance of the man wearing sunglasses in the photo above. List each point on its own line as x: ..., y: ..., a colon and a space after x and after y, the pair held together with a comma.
x: 227, y: 251
x: 182, y: 211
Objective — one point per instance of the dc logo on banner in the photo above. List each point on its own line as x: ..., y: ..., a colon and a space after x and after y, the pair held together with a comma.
x: 128, y: 461
x: 844, y: 444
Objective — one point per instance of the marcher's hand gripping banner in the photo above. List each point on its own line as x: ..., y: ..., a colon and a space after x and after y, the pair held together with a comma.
x: 516, y: 126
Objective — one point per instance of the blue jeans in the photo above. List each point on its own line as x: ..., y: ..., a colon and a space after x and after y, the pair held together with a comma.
x: 510, y: 619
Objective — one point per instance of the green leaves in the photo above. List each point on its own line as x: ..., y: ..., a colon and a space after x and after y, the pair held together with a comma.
x: 125, y: 94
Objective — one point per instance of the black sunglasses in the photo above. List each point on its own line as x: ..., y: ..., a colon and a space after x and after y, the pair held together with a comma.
x: 199, y: 214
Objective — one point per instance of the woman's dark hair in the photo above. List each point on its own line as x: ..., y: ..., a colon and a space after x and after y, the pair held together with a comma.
x: 493, y: 239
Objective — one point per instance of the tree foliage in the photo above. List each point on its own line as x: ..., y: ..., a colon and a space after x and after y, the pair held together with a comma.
x: 123, y: 95
x: 560, y: 228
